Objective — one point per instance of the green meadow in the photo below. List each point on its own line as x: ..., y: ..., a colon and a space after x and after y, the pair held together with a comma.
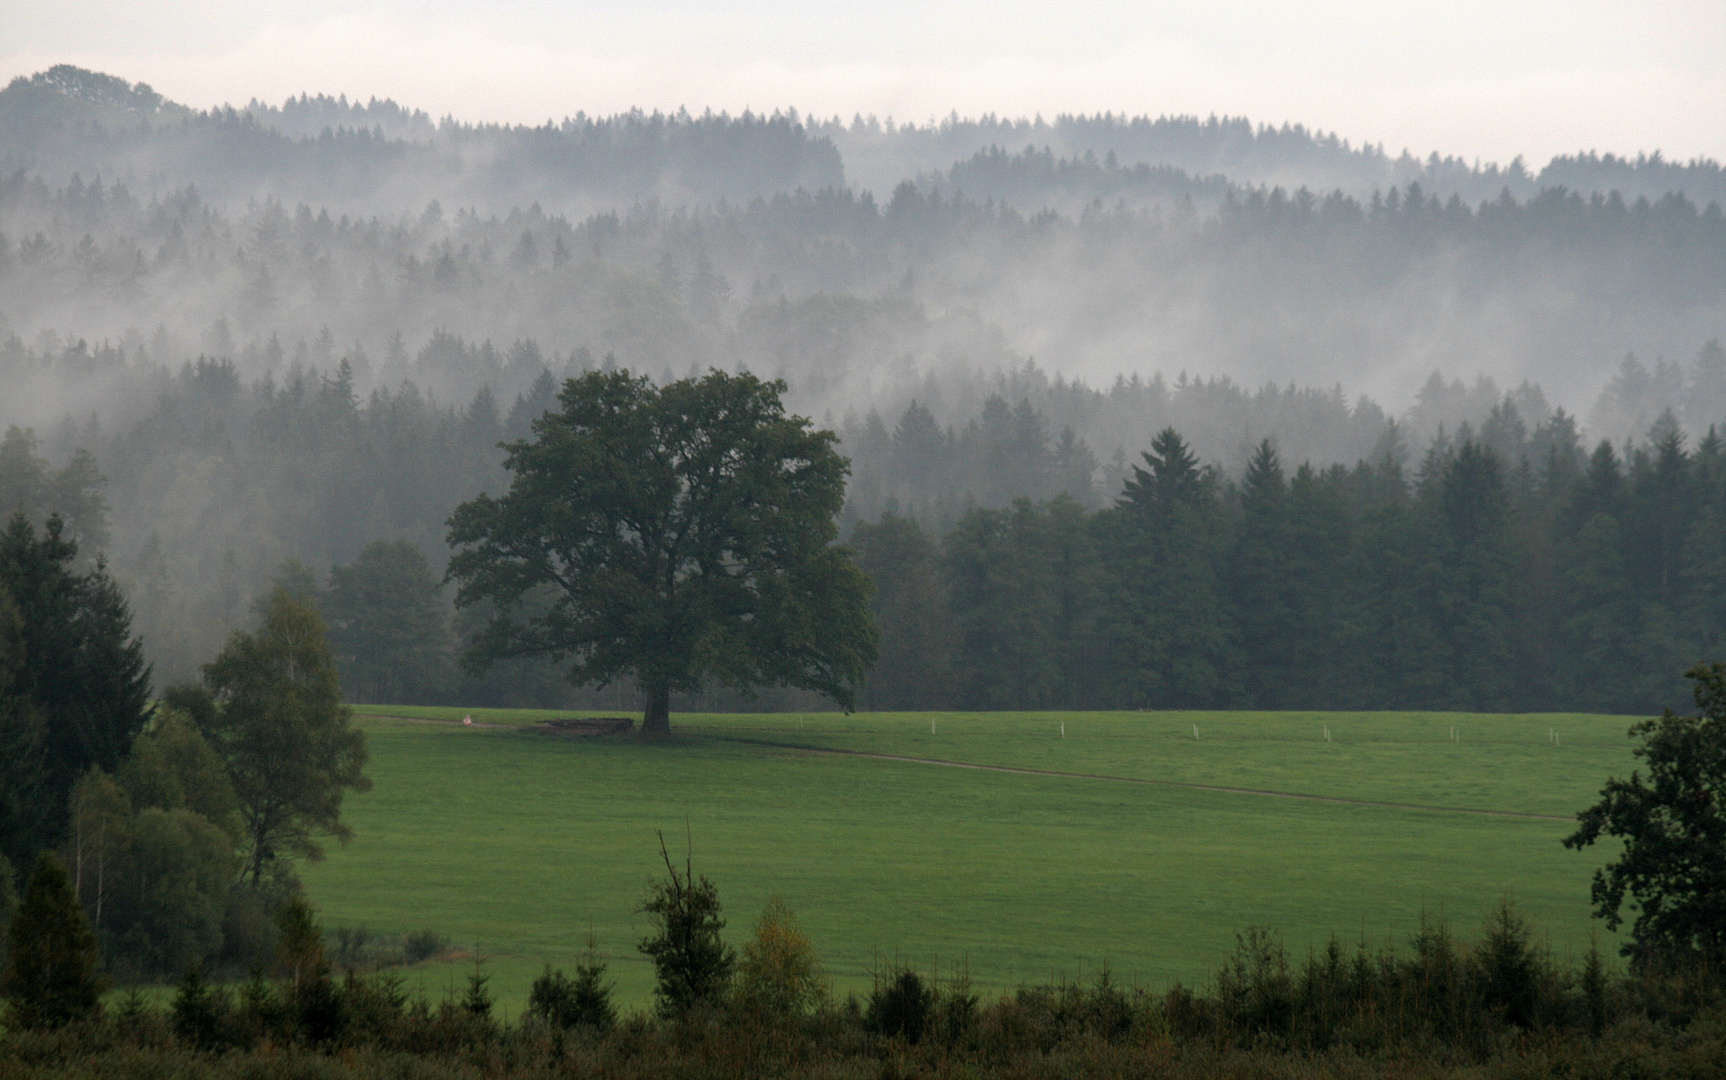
x: 1090, y: 839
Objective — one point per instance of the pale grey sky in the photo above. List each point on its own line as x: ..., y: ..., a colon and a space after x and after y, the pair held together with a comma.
x: 1469, y: 77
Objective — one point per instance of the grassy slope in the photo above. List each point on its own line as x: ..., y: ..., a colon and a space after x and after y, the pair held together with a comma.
x: 518, y: 843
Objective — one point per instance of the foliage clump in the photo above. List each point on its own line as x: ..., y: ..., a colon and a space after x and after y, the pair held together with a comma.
x: 584, y: 1001
x: 1672, y: 869
x: 779, y: 975
x: 691, y: 962
x: 901, y: 1008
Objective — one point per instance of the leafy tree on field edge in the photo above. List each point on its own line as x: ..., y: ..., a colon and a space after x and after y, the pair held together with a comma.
x: 273, y: 712
x: 676, y: 534
x: 1673, y: 824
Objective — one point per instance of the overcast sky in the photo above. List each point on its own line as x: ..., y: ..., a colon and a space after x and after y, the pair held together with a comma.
x: 1478, y: 78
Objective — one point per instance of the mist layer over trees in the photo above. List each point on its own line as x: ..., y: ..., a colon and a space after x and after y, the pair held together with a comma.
x: 247, y: 347
x: 853, y: 301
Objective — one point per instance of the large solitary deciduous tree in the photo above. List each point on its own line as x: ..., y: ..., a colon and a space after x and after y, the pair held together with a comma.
x: 676, y: 534
x: 1673, y: 825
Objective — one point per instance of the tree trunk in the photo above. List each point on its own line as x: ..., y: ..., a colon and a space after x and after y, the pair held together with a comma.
x: 656, y: 723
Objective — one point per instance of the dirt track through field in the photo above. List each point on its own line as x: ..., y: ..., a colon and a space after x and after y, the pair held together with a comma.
x: 1026, y: 771
x: 1262, y: 792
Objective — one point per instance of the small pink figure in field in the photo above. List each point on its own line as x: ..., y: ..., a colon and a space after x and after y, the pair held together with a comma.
x: 467, y: 721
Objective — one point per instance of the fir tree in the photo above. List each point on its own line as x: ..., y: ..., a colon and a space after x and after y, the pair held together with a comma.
x: 52, y: 959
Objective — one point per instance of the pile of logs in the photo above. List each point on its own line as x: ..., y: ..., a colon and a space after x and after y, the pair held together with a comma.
x: 591, y: 725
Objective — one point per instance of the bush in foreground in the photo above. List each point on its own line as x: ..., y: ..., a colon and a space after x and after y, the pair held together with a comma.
x: 1498, y: 1007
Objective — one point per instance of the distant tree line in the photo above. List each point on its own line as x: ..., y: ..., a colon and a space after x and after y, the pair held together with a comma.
x: 221, y: 489
x: 1507, y: 570
x: 846, y: 296
x: 320, y: 147
x: 1249, y: 155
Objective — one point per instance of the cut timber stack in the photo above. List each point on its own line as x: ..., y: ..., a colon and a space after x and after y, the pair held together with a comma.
x: 593, y: 725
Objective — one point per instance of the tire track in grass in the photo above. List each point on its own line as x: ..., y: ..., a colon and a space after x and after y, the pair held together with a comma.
x: 1188, y: 785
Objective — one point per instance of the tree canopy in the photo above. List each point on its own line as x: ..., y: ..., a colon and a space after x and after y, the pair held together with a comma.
x: 1673, y: 825
x: 676, y: 534
x: 279, y: 725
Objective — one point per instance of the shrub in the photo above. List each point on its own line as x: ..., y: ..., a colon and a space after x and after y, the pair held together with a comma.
x: 299, y: 943
x: 1508, y: 967
x: 8, y: 894
x: 565, y: 1003
x: 319, y: 1010
x: 352, y: 946
x: 198, y: 1012
x: 1254, y: 988
x: 422, y: 945
x: 779, y: 975
x: 248, y: 931
x: 477, y: 999
x: 902, y: 1008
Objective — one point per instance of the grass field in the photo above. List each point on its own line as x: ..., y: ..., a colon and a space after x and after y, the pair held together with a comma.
x: 516, y: 844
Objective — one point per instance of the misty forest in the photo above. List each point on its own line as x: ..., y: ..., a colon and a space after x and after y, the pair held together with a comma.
x: 342, y: 446
x: 252, y: 345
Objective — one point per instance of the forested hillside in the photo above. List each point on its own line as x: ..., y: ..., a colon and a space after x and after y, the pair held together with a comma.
x: 856, y: 303
x: 375, y: 156
x: 254, y: 344
x: 66, y: 121
x: 1290, y: 156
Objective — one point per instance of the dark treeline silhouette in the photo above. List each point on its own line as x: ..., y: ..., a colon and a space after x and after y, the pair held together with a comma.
x: 212, y: 481
x: 1508, y: 570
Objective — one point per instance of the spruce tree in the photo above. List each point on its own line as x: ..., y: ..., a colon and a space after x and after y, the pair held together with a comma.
x: 691, y: 962
x: 74, y: 685
x: 1167, y: 619
x: 51, y: 961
